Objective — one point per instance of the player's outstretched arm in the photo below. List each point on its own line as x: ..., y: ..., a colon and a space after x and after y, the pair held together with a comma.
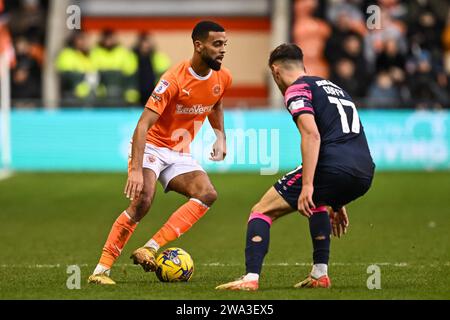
x: 215, y: 118
x: 135, y: 181
x: 310, y: 146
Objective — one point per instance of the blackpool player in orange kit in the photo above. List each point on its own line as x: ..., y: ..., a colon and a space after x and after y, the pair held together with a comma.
x: 186, y: 94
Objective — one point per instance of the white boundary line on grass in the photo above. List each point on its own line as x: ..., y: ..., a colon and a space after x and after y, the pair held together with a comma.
x: 218, y: 264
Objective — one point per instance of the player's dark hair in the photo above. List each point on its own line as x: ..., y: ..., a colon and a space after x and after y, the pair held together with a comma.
x: 202, y: 29
x: 286, y: 52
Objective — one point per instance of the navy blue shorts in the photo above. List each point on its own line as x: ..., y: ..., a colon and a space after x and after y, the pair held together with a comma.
x: 330, y: 189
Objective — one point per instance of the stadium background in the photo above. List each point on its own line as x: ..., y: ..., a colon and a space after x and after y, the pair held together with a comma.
x: 398, y: 74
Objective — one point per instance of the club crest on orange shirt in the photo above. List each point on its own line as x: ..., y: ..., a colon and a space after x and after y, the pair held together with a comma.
x: 216, y: 90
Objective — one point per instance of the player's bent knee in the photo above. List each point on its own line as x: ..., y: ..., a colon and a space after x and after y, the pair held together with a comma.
x: 259, y: 208
x: 208, y: 196
x: 142, y: 206
x: 270, y: 214
x: 260, y: 215
x: 256, y: 208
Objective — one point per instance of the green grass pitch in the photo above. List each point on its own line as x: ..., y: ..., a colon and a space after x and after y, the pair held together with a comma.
x: 51, y: 220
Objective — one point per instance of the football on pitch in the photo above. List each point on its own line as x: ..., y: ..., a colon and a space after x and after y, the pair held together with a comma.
x: 174, y: 265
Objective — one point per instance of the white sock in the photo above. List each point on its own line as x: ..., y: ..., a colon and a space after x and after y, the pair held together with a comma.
x: 251, y: 277
x: 319, y: 270
x: 152, y: 244
x: 99, y: 269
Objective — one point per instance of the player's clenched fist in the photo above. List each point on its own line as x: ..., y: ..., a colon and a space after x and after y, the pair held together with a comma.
x: 219, y: 150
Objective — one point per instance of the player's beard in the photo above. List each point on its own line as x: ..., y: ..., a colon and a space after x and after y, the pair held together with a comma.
x: 212, y: 63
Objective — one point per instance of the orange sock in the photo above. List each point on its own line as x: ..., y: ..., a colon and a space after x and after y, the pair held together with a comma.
x: 121, y: 231
x: 180, y: 221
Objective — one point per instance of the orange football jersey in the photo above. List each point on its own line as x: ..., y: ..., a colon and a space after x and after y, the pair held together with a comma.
x: 183, y: 100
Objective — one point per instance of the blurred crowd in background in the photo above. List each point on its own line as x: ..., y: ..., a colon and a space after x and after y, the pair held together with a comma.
x: 26, y: 20
x: 403, y: 64
x: 109, y: 74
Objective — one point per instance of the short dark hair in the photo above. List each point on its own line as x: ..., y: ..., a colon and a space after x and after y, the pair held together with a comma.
x: 286, y: 52
x: 202, y: 29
